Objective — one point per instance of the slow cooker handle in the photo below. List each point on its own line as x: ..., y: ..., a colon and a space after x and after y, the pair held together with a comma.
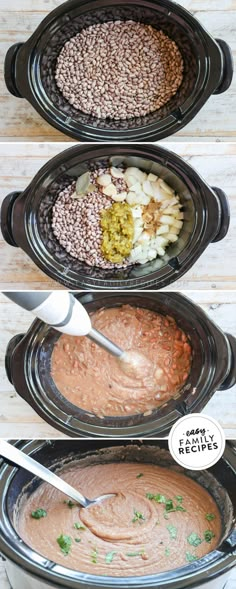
x: 6, y: 217
x: 10, y: 69
x: 9, y: 353
x: 230, y: 381
x: 227, y: 67
x: 225, y: 214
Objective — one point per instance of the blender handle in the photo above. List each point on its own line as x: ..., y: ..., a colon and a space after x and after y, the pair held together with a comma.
x: 6, y: 217
x: 227, y: 67
x: 10, y: 69
x: 225, y: 214
x: 230, y: 380
x: 12, y: 344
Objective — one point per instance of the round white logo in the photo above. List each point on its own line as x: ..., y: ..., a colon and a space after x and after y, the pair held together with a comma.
x: 196, y: 441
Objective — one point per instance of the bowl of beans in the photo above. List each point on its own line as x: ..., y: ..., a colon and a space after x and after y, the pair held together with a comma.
x: 105, y: 217
x: 101, y: 71
x: 81, y: 390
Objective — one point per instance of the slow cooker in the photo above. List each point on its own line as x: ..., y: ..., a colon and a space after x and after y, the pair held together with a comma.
x: 26, y: 569
x: 28, y: 359
x: 26, y: 217
x: 30, y: 68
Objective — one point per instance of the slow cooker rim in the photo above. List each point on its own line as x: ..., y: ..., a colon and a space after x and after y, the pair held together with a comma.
x: 157, y: 423
x: 194, y: 183
x: 88, y: 133
x: 219, y: 558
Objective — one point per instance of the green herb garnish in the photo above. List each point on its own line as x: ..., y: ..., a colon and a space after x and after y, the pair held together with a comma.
x: 135, y: 553
x: 210, y: 517
x: 139, y: 475
x: 158, y: 498
x: 138, y: 516
x: 38, y: 513
x: 167, y: 552
x: 173, y: 531
x: 208, y: 535
x: 79, y: 526
x: 77, y: 539
x: 190, y: 557
x: 64, y: 543
x: 69, y: 503
x: 94, y: 556
x: 109, y: 556
x: 194, y: 540
x: 179, y: 498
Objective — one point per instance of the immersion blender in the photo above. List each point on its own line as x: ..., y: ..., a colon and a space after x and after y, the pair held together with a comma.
x: 61, y: 310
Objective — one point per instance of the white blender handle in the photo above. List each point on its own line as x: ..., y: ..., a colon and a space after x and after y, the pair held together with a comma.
x: 59, y: 309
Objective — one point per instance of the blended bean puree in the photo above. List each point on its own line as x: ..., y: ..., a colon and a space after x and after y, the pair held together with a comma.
x: 92, y: 379
x: 160, y: 519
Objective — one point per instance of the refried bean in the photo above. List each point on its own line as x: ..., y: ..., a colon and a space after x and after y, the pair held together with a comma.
x: 92, y: 379
x: 158, y: 520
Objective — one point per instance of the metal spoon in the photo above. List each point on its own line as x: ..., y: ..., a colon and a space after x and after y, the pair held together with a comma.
x: 20, y: 459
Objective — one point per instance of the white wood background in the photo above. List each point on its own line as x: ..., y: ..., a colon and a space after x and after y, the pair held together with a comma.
x: 18, y: 420
x: 19, y: 18
x: 216, y: 268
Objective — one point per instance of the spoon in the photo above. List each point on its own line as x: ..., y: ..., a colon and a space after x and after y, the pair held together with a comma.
x: 20, y: 459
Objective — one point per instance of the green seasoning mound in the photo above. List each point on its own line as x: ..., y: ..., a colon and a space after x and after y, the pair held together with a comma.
x: 117, y: 232
x: 64, y: 543
x: 190, y: 557
x: 38, y: 513
x: 208, y: 535
x: 109, y: 556
x: 194, y: 540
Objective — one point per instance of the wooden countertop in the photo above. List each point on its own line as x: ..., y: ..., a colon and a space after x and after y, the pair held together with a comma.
x: 215, y: 269
x: 216, y: 121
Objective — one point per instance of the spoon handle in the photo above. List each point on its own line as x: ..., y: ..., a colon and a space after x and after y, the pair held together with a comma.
x: 20, y: 459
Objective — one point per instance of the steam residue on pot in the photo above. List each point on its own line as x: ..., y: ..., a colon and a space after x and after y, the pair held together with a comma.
x: 92, y: 379
x: 119, y: 70
x: 114, y: 217
x: 158, y: 520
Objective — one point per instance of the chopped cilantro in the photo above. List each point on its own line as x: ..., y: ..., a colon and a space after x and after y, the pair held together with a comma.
x: 64, y: 543
x: 38, y: 513
x: 210, y: 516
x: 135, y: 553
x: 77, y: 539
x: 172, y: 531
x: 193, y: 539
x: 208, y: 535
x: 110, y: 556
x: 139, y: 475
x: 138, y: 516
x: 167, y: 552
x: 179, y: 498
x: 79, y: 526
x: 69, y: 503
x: 158, y: 498
x: 94, y: 556
x: 190, y: 557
